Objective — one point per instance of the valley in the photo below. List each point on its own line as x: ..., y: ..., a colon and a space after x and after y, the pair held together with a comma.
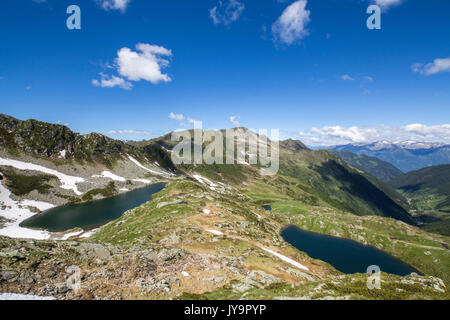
x: 205, y: 235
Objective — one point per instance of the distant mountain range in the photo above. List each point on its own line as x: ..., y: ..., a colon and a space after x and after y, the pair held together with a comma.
x: 406, y: 156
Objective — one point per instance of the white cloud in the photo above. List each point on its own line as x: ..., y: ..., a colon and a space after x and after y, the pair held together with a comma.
x: 226, y: 12
x: 143, y: 132
x: 424, y: 130
x: 114, y: 4
x: 234, y: 120
x: 28, y: 88
x: 146, y: 63
x: 385, y: 4
x: 180, y: 117
x: 175, y: 116
x: 437, y: 66
x: 291, y: 25
x: 335, y: 135
x: 111, y: 82
x: 346, y: 77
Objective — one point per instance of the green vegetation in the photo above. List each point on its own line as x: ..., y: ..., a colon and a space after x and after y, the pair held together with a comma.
x: 348, y: 287
x: 381, y: 170
x: 428, y: 188
x: 332, y: 180
x: 20, y: 184
x: 108, y: 191
x: 428, y: 191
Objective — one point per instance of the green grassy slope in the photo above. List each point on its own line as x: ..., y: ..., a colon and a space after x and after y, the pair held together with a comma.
x: 381, y: 170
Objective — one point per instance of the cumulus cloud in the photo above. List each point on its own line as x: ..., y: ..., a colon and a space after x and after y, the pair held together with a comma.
x: 111, y: 82
x: 335, y: 135
x: 291, y: 25
x: 437, y: 66
x: 120, y: 5
x: 386, y: 4
x: 235, y: 121
x: 226, y: 12
x: 146, y: 63
x: 142, y: 132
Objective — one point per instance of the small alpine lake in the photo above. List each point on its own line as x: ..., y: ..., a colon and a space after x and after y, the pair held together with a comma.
x: 345, y: 255
x: 94, y: 213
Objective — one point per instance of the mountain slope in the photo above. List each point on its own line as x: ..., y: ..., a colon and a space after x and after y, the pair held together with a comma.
x: 206, y: 234
x: 429, y: 188
x: 381, y: 170
x: 315, y: 177
x: 44, y: 165
x: 341, y: 185
x: 407, y: 156
x: 57, y: 142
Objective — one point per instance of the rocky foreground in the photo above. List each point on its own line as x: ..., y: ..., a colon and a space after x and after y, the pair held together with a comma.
x: 195, y: 240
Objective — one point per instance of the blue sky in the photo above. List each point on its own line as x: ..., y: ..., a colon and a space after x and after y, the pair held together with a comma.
x: 310, y: 68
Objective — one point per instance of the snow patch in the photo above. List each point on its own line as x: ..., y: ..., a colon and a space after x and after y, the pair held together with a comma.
x: 16, y: 296
x: 89, y: 233
x: 62, y: 154
x: 205, y: 181
x: 67, y: 182
x: 124, y: 189
x: 143, y: 181
x: 109, y: 175
x: 286, y: 259
x: 216, y: 232
x: 147, y: 169
x: 206, y: 211
x: 18, y: 211
x: 71, y: 234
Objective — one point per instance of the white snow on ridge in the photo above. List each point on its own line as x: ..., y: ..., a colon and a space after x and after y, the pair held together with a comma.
x: 17, y: 296
x: 62, y: 154
x: 110, y: 175
x: 286, y: 259
x: 205, y: 181
x: 17, y: 211
x: 67, y: 182
x: 147, y: 169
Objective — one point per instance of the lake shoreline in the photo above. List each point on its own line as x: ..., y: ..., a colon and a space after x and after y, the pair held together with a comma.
x: 369, y: 246
x: 87, y: 228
